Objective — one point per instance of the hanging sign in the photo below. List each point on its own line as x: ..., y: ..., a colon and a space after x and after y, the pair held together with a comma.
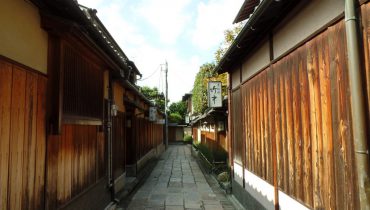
x: 153, y: 114
x: 214, y: 94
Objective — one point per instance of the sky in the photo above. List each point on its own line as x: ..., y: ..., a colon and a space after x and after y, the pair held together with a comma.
x: 185, y: 33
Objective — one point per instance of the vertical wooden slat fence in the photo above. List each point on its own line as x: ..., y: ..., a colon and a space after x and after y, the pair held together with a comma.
x: 119, y: 144
x: 22, y: 137
x: 297, y: 113
x: 75, y: 161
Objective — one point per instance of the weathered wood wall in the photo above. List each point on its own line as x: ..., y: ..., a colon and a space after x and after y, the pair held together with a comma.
x: 300, y: 108
x: 365, y: 14
x: 119, y: 144
x: 75, y: 161
x: 22, y: 137
x: 147, y: 135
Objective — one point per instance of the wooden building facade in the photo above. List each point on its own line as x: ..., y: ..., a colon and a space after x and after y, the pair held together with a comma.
x: 69, y: 109
x: 291, y: 115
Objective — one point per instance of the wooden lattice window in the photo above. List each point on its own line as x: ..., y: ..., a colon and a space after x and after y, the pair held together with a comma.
x: 82, y: 86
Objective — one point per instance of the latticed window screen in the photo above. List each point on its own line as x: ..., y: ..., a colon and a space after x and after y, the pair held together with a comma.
x: 82, y: 86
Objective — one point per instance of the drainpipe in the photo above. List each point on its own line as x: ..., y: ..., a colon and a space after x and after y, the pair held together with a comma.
x: 110, y: 147
x: 358, y: 109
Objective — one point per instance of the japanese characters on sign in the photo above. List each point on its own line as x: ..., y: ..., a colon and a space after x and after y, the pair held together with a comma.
x: 214, y: 94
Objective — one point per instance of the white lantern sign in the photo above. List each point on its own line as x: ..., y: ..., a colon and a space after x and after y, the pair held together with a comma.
x: 214, y: 94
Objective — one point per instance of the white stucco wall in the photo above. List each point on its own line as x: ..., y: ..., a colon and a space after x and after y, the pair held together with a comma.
x: 309, y: 19
x: 256, y: 61
x: 21, y: 37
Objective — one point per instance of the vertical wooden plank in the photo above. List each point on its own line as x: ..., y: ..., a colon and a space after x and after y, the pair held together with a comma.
x: 327, y: 181
x: 284, y: 149
x: 266, y: 136
x: 68, y: 163
x: 251, y: 124
x: 272, y: 131
x: 17, y: 138
x: 40, y: 164
x: 277, y: 117
x: 60, y: 166
x: 29, y: 140
x: 5, y: 122
x: 256, y: 82
x: 345, y: 136
x: 314, y: 85
x: 289, y: 125
x: 305, y: 115
x: 52, y: 171
x: 365, y: 17
x: 296, y: 109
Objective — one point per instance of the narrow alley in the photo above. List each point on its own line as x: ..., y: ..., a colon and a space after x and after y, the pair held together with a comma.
x: 177, y: 182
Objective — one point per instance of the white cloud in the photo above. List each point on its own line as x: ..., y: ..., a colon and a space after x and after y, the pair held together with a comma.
x: 167, y: 17
x: 138, y: 25
x: 213, y: 18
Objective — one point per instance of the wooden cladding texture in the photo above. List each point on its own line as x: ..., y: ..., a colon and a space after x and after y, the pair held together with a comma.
x: 365, y: 14
x: 82, y: 85
x: 236, y: 119
x: 147, y: 136
x: 119, y: 144
x: 75, y: 161
x: 22, y: 138
x: 299, y: 109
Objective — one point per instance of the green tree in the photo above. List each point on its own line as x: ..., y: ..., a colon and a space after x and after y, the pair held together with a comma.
x: 178, y: 107
x: 175, y: 118
x: 154, y: 95
x: 229, y: 37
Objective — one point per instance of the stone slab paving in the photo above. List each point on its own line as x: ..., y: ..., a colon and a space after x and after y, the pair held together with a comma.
x: 177, y: 182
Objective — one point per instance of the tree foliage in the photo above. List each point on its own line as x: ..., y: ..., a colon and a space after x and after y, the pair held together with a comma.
x: 175, y: 118
x: 178, y: 107
x: 206, y: 73
x: 229, y: 37
x: 154, y: 95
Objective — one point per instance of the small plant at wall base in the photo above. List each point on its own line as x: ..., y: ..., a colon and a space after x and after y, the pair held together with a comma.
x: 188, y: 139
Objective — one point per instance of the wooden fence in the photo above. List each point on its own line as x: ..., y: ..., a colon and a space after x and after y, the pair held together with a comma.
x: 147, y: 136
x: 22, y: 137
x: 75, y: 161
x: 296, y: 113
x: 119, y: 145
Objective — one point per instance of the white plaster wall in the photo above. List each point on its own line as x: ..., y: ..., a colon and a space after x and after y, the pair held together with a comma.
x: 235, y: 77
x: 21, y: 37
x: 309, y: 19
x: 254, y: 63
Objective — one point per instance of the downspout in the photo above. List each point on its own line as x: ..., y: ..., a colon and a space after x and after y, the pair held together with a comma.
x: 358, y: 109
x: 110, y: 147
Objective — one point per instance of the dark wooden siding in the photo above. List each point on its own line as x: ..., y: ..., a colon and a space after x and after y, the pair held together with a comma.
x: 147, y: 135
x: 22, y: 137
x: 75, y: 161
x: 301, y: 104
x: 119, y: 144
x: 82, y: 96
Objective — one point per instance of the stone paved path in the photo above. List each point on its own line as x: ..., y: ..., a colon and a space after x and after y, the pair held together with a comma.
x: 177, y: 182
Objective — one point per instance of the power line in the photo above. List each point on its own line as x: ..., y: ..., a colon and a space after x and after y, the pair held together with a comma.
x: 150, y: 75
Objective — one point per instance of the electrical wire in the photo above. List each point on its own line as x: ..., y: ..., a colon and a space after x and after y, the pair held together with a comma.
x: 150, y: 74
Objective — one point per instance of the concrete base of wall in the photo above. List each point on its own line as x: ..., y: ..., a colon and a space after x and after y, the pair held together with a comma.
x: 244, y: 198
x: 120, y: 183
x: 141, y: 163
x: 160, y: 149
x: 96, y: 197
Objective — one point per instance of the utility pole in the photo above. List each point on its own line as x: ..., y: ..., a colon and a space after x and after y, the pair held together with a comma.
x: 165, y: 106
